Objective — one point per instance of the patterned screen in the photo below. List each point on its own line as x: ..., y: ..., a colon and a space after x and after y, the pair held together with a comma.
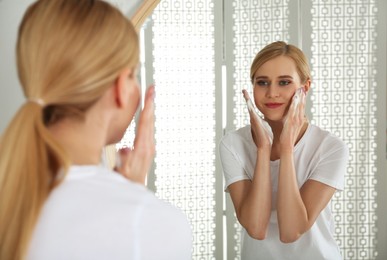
x: 344, y: 102
x: 183, y: 50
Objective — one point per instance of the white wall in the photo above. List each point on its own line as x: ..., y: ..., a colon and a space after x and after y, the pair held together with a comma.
x: 11, y: 95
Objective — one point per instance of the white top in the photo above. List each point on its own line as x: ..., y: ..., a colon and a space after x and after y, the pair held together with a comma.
x: 98, y: 214
x: 318, y: 156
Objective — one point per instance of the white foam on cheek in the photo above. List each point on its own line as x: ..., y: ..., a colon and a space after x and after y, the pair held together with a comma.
x: 297, y: 96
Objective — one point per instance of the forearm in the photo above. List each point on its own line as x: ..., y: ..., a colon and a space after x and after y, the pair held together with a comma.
x: 254, y: 213
x: 291, y: 211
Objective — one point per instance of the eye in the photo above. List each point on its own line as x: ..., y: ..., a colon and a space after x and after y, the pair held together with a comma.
x: 284, y: 82
x: 261, y: 83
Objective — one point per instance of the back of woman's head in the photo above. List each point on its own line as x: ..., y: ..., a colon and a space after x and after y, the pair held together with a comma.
x: 69, y: 52
x: 280, y: 48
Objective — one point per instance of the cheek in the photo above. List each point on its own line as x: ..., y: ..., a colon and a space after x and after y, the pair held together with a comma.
x: 258, y: 95
x: 134, y: 97
x: 290, y: 94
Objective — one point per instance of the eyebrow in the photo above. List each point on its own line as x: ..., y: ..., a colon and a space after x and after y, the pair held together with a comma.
x: 285, y: 77
x: 280, y: 77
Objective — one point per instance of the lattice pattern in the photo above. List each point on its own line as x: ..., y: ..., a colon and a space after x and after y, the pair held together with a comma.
x: 344, y: 102
x: 183, y: 45
x: 257, y: 23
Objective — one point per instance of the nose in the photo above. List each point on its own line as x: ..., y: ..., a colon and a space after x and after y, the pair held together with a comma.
x: 272, y: 91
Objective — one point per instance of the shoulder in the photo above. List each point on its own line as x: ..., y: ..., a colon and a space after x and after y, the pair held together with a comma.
x: 122, y: 191
x: 241, y: 133
x: 83, y: 186
x: 98, y: 189
x: 100, y: 179
x: 237, y: 138
x: 327, y: 157
x: 325, y: 140
x: 93, y: 198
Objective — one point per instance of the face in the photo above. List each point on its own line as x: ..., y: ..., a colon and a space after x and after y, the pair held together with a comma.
x: 274, y: 84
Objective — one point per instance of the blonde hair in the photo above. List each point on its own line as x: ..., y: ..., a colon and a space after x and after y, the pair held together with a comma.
x: 69, y: 52
x: 280, y: 48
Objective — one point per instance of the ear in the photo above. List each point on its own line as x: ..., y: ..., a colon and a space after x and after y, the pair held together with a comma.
x: 121, y: 88
x: 307, y: 85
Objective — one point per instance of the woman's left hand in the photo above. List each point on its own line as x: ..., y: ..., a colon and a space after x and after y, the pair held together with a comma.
x: 294, y: 120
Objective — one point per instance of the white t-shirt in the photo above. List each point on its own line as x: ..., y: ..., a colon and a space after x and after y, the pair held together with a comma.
x: 98, y: 214
x: 318, y: 156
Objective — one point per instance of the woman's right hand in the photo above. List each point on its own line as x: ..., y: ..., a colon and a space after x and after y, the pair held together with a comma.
x: 260, y: 129
x: 135, y: 162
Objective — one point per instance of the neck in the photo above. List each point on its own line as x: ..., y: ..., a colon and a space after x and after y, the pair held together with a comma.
x: 277, y: 130
x: 81, y: 139
x: 277, y: 127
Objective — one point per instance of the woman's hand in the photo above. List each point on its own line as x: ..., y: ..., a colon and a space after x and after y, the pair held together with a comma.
x: 294, y: 121
x: 135, y: 162
x: 260, y: 129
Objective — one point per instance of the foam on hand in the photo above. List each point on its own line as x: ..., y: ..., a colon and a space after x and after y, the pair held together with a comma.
x: 262, y: 122
x: 250, y: 106
x: 297, y: 96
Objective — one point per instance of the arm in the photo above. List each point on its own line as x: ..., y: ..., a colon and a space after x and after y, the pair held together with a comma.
x: 298, y: 209
x: 252, y: 199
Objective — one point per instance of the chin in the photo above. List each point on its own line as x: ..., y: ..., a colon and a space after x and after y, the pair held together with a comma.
x: 274, y: 118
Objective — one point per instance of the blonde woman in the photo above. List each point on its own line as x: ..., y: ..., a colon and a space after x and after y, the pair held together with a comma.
x: 281, y: 171
x: 77, y: 63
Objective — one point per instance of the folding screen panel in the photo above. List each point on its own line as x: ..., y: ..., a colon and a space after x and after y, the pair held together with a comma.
x: 344, y: 102
x: 184, y: 74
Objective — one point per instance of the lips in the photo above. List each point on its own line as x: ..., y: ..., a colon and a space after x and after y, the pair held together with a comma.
x: 273, y: 105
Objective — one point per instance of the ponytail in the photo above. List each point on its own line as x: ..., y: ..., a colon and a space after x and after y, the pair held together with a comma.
x: 30, y: 160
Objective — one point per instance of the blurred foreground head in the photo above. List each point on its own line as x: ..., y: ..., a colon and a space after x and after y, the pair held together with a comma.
x: 69, y: 52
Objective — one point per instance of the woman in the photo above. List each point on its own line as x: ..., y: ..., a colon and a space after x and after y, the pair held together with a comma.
x: 282, y: 172
x: 77, y: 63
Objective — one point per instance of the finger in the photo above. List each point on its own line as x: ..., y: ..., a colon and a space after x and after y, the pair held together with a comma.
x: 302, y: 105
x: 122, y: 158
x: 149, y: 96
x: 299, y: 110
x: 145, y: 130
x: 149, y: 111
x: 294, y: 108
x: 144, y: 147
x: 250, y: 106
x: 245, y: 94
